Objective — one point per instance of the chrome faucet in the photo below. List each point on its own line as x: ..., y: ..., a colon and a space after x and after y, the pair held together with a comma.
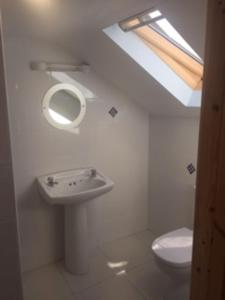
x: 93, y: 173
x: 51, y: 181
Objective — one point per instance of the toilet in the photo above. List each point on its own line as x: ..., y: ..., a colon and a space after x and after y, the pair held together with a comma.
x: 173, y: 255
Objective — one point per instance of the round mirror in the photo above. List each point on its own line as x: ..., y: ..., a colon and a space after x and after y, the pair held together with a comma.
x: 64, y: 106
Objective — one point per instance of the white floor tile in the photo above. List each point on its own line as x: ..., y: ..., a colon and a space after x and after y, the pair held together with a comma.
x: 95, y: 252
x: 181, y: 292
x: 46, y: 284
x: 150, y: 281
x: 129, y: 252
x: 98, y: 272
x: 123, y: 269
x: 112, y: 289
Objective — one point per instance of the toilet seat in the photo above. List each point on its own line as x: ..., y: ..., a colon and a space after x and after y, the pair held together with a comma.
x: 175, y: 248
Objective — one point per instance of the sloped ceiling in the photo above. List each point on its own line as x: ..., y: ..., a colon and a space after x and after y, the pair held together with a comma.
x: 77, y: 26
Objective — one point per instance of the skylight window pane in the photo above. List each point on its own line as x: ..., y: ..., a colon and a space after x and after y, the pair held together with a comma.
x: 155, y: 14
x: 156, y: 20
x: 163, y: 59
x: 172, y: 33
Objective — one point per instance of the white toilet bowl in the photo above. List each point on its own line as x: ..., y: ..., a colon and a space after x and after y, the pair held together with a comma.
x: 173, y: 254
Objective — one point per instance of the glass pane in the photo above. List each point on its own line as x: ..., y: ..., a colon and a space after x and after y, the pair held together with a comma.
x: 164, y: 27
x: 155, y: 14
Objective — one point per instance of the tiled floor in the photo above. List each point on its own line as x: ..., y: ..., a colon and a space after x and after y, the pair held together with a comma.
x: 121, y: 270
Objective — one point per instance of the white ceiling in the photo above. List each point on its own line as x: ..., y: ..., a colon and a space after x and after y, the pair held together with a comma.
x: 77, y: 26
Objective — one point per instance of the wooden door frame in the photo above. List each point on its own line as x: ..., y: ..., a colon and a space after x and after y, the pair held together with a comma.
x: 209, y: 237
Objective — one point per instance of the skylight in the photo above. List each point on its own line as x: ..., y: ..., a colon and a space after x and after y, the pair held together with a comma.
x: 184, y: 65
x: 152, y: 41
x: 167, y: 29
x: 155, y: 20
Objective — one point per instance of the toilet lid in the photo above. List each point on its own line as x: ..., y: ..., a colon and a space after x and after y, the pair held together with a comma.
x: 175, y: 248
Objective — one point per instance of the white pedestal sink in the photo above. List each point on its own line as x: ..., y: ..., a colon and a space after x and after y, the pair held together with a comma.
x: 73, y: 189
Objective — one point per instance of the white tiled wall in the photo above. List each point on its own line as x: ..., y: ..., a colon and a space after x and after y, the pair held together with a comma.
x: 173, y: 145
x: 10, y: 276
x: 117, y: 146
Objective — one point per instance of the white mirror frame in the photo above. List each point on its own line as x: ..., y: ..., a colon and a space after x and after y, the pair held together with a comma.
x: 73, y: 127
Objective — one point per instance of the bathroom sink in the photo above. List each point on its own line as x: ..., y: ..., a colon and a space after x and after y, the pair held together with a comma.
x: 73, y: 189
x: 74, y: 186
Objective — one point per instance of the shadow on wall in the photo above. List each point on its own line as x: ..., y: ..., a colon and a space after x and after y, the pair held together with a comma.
x: 30, y: 198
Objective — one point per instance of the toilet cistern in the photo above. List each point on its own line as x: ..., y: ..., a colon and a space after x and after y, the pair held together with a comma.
x: 73, y: 189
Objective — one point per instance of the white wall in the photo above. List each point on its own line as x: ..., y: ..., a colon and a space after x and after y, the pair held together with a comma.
x: 119, y: 147
x: 173, y: 145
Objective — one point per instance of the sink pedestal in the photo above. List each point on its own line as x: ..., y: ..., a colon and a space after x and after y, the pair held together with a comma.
x: 73, y: 189
x: 76, y: 238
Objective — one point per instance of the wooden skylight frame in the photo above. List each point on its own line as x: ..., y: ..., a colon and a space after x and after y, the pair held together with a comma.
x: 184, y: 62
x: 186, y: 67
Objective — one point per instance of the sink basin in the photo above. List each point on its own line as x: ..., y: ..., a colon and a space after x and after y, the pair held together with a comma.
x: 74, y: 186
x: 73, y: 189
